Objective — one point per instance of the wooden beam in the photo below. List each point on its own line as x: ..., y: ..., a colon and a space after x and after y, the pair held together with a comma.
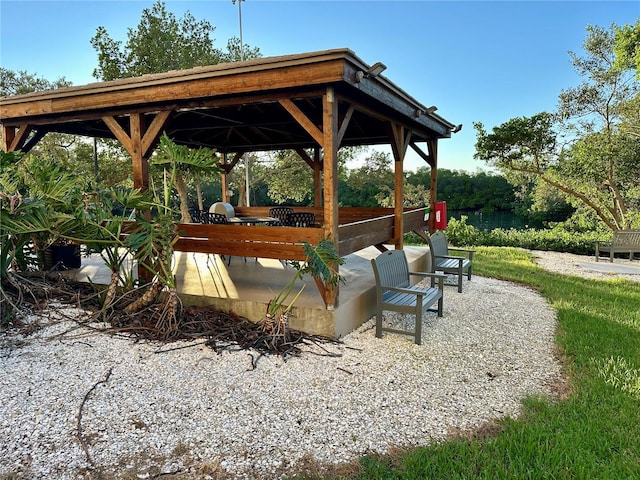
x: 119, y: 133
x: 152, y: 134
x: 400, y: 139
x: 8, y: 134
x: 432, y: 145
x: 140, y: 162
x: 305, y: 156
x: 399, y: 142
x: 427, y: 158
x: 330, y: 154
x: 302, y: 119
x: 344, y: 124
x: 20, y: 137
x: 317, y: 178
x: 33, y: 140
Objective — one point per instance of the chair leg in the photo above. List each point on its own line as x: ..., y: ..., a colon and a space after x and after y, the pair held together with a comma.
x: 440, y: 301
x: 418, y: 338
x: 379, y: 323
x: 460, y: 279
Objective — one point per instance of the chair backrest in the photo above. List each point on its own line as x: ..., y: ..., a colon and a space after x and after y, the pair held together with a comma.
x: 300, y: 219
x: 224, y: 208
x: 280, y: 213
x: 626, y: 238
x: 196, y: 215
x: 391, y: 269
x: 217, y: 218
x: 438, y: 244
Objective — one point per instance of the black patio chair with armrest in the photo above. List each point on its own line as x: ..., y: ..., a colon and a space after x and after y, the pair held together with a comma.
x: 394, y: 291
x: 300, y: 219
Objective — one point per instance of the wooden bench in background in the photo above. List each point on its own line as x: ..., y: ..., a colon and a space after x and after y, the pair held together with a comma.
x: 624, y: 241
x: 395, y: 293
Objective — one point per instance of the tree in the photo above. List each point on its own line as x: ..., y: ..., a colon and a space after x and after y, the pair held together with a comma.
x: 19, y: 83
x: 180, y: 160
x: 363, y: 184
x: 580, y: 149
x: 290, y: 179
x: 627, y: 48
x: 159, y: 43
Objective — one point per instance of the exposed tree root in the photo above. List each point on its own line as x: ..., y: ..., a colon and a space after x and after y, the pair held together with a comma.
x: 166, y: 320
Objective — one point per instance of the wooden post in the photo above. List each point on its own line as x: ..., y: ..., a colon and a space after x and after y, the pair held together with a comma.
x: 8, y: 134
x: 140, y: 161
x: 432, y: 146
x: 330, y: 162
x: 224, y: 180
x: 317, y: 178
x: 400, y: 137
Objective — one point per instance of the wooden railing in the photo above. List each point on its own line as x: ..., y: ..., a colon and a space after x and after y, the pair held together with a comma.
x: 359, y: 228
x: 247, y: 241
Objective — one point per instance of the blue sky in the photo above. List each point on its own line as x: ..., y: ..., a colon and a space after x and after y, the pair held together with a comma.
x: 476, y: 60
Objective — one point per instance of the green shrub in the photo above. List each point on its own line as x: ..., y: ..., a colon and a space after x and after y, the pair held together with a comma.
x: 557, y: 239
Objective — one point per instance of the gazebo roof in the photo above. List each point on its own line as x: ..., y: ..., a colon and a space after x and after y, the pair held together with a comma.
x: 263, y: 104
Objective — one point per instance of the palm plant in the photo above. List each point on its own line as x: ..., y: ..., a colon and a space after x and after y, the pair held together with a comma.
x: 40, y: 204
x: 321, y: 261
x: 108, y: 212
x: 152, y: 240
x: 184, y: 162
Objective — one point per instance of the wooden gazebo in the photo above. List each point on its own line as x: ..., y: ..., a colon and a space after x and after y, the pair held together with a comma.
x: 313, y: 102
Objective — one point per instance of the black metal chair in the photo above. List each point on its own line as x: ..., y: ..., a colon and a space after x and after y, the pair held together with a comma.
x: 300, y: 219
x: 196, y: 215
x: 280, y: 213
x: 214, y: 218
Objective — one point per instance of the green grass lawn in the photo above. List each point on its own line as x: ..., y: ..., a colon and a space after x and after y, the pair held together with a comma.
x: 594, y: 431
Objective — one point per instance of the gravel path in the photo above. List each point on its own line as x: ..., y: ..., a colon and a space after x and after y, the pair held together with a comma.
x: 77, y: 403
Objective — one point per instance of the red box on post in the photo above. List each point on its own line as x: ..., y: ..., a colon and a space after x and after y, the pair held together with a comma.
x: 440, y: 222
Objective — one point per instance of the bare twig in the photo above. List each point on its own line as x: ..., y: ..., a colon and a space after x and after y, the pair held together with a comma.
x: 79, y: 433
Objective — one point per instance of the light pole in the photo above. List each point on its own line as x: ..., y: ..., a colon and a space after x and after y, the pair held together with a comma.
x: 246, y: 159
x: 240, y: 20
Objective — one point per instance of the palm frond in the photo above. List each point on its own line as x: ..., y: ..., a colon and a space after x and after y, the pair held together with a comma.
x: 321, y: 262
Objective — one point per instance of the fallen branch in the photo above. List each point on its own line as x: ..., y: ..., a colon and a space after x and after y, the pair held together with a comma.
x: 81, y: 439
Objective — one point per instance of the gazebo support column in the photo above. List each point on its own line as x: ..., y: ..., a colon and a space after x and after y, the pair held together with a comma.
x: 399, y: 142
x: 330, y: 162
x: 139, y: 143
x: 432, y: 159
x: 317, y: 178
x: 433, y: 187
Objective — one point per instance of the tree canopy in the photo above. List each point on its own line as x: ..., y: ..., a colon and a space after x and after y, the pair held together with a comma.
x: 584, y: 149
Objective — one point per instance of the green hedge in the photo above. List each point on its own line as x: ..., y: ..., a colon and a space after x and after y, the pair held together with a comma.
x: 556, y: 239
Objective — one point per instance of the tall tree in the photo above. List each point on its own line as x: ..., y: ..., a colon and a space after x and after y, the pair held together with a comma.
x: 162, y: 42
x: 627, y: 48
x: 581, y: 149
x: 159, y: 43
x: 18, y: 83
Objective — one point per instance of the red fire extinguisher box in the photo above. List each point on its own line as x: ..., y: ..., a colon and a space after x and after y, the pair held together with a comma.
x: 440, y: 222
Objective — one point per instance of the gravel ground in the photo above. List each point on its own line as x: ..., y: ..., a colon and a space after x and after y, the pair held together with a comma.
x: 75, y: 403
x: 584, y: 266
